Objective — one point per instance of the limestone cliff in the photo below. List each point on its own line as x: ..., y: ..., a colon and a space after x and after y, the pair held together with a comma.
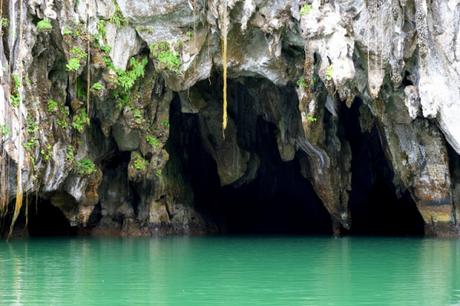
x: 100, y: 98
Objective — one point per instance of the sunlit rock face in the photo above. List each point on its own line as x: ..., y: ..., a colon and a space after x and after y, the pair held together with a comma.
x: 102, y: 141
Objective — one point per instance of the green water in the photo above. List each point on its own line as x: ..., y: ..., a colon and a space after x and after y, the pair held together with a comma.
x: 230, y: 271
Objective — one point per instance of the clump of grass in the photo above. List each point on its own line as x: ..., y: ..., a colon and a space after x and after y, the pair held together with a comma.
x: 15, y: 97
x: 138, y: 162
x: 69, y: 153
x: 311, y: 118
x: 302, y: 83
x: 117, y: 18
x: 4, y: 130
x: 44, y: 25
x: 73, y: 65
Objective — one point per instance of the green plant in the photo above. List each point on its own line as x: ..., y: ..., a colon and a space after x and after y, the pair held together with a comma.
x: 311, y: 118
x: 15, y: 96
x: 117, y: 18
x: 44, y: 25
x: 97, y: 86
x: 80, y: 121
x: 69, y: 153
x: 46, y: 152
x: 166, y: 57
x: 67, y: 32
x: 126, y: 79
x: 329, y: 72
x: 137, y: 114
x: 139, y: 163
x: 165, y: 124
x: 53, y: 106
x: 153, y: 141
x: 4, y: 23
x: 73, y: 65
x: 85, y: 167
x: 4, y: 130
x: 158, y: 172
x: 302, y: 83
x: 305, y: 10
x: 77, y: 52
x: 62, y: 118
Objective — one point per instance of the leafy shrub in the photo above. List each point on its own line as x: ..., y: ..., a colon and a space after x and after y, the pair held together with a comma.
x: 85, y: 167
x: 311, y: 118
x: 302, y: 83
x: 44, y: 25
x: 69, y: 153
x: 117, y: 18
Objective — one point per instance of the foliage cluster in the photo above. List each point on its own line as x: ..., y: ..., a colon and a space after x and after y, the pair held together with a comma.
x: 80, y: 120
x: 85, y: 167
x: 166, y: 57
x: 44, y: 25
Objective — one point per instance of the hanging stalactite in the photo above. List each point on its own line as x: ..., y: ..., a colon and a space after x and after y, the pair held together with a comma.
x: 20, y: 162
x: 224, y: 30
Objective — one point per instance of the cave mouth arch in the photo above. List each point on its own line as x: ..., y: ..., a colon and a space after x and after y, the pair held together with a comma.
x: 279, y: 200
x: 377, y: 207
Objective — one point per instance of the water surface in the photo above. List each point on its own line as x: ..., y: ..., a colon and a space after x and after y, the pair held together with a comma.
x: 230, y: 271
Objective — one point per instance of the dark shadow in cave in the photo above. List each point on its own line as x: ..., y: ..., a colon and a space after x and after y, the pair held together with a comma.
x: 47, y: 220
x: 278, y: 201
x: 375, y: 207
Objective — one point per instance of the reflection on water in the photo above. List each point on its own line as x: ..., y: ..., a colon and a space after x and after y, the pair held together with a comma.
x: 230, y: 271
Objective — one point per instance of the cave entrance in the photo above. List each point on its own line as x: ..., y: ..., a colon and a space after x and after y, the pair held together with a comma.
x: 44, y: 220
x: 276, y: 200
x: 375, y: 207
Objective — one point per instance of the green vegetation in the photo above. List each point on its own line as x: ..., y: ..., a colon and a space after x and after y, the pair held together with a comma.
x: 139, y: 163
x: 46, y: 152
x: 311, y: 118
x: 80, y: 120
x: 67, y: 32
x: 77, y: 52
x: 126, y: 79
x: 158, y: 173
x: 85, y: 167
x: 153, y: 141
x: 165, y: 124
x: 4, y: 130
x: 305, y: 10
x: 52, y: 106
x: 3, y: 23
x: 329, y: 72
x: 44, y: 25
x: 117, y: 18
x: 15, y: 97
x: 62, y: 117
x: 31, y: 130
x: 69, y: 153
x: 73, y: 65
x: 97, y: 86
x: 166, y: 57
x: 77, y: 56
x: 137, y: 113
x: 302, y: 83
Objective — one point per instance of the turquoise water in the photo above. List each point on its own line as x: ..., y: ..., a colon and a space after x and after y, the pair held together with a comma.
x: 230, y: 271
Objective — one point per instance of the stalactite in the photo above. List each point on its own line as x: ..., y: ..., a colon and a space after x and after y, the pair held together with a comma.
x: 224, y: 29
x: 19, y: 189
x: 88, y: 51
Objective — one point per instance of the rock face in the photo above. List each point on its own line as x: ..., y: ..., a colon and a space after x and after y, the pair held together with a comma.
x: 88, y: 87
